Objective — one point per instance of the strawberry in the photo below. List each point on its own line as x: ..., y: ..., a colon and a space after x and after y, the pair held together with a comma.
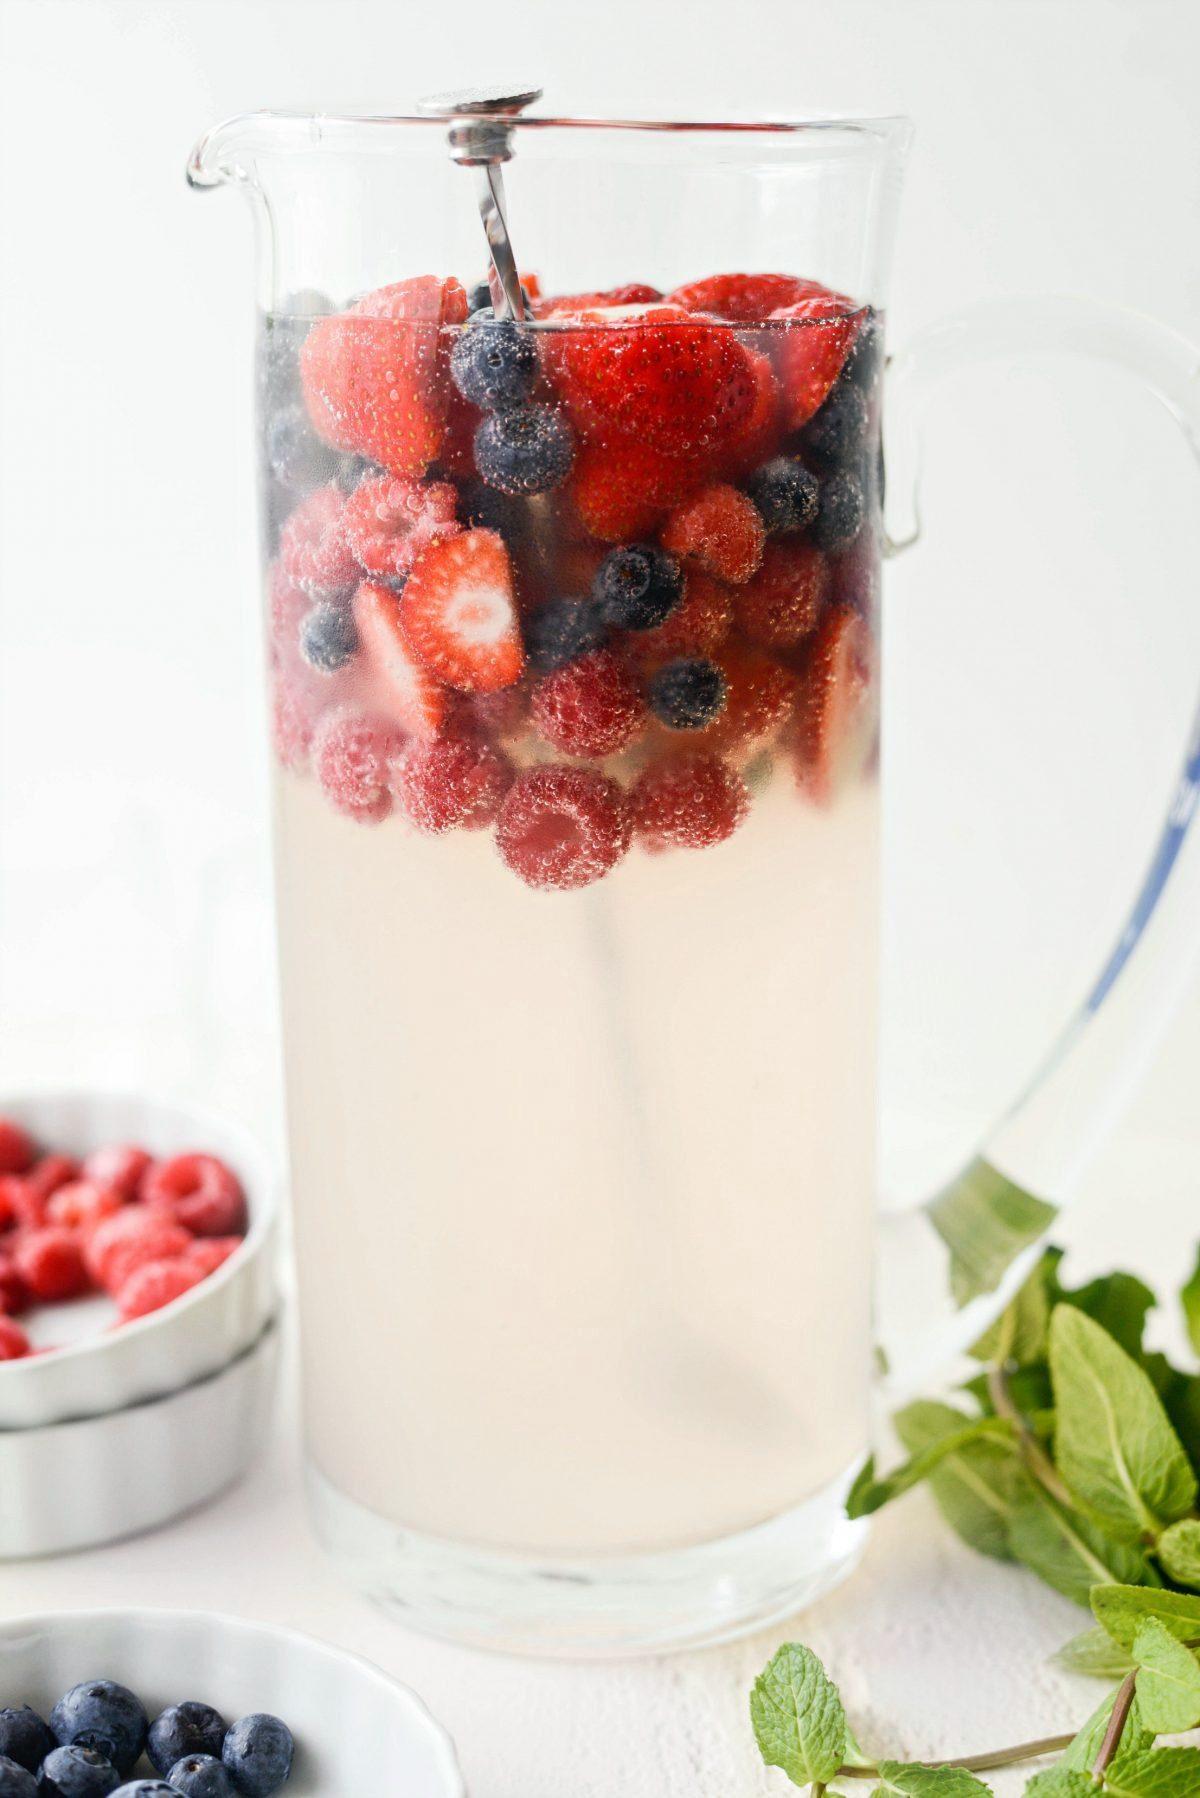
x: 720, y: 530
x: 758, y: 438
x: 634, y: 293
x: 404, y: 685
x: 835, y: 721
x: 458, y: 613
x: 676, y: 383
x: 620, y: 490
x: 783, y: 602
x: 811, y: 348
x: 376, y: 378
x: 744, y: 299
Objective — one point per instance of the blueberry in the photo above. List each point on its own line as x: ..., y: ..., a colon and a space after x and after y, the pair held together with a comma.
x: 523, y: 451
x: 840, y: 512
x: 295, y: 455
x: 146, y: 1788
x: 16, y: 1781
x: 785, y: 493
x: 184, y: 1729
x: 24, y: 1738
x: 834, y: 437
x: 866, y: 352
x: 495, y: 363
x: 328, y: 640
x: 638, y: 587
x: 349, y: 470
x: 561, y: 630
x: 479, y: 299
x: 687, y: 695
x: 200, y: 1776
x: 74, y: 1772
x: 258, y: 1754
x: 101, y: 1714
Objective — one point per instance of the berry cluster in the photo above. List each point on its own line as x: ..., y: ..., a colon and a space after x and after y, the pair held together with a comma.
x: 566, y: 579
x: 99, y: 1731
x: 119, y: 1222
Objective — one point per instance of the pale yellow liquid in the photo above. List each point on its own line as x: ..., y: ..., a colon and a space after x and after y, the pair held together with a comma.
x: 583, y: 1182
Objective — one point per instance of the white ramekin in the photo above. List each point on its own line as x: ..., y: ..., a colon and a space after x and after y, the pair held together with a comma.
x: 204, y: 1330
x: 77, y: 1485
x: 356, y: 1729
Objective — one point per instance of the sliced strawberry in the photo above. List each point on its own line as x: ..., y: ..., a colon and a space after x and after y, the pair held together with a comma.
x: 634, y: 293
x: 813, y: 339
x: 835, y: 719
x: 758, y: 439
x: 458, y: 612
x: 376, y: 378
x: 411, y: 694
x: 622, y: 489
x: 744, y: 299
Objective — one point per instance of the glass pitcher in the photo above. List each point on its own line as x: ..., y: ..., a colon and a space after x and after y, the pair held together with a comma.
x: 572, y: 490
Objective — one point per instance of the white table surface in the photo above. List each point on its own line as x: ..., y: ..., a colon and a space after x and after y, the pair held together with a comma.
x: 937, y: 1650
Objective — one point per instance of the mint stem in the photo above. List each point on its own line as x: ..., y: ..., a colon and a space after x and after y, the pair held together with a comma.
x: 1126, y: 1692
x: 1032, y: 1453
x: 980, y: 1763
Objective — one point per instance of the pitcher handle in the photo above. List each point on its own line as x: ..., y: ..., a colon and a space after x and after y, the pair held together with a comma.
x: 949, y: 1265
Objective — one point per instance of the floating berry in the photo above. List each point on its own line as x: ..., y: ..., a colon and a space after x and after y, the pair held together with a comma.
x: 561, y: 828
x: 744, y: 299
x: 50, y: 1172
x: 634, y: 293
x: 328, y: 638
x: 450, y: 782
x: 758, y: 437
x: 388, y: 522
x: 376, y: 379
x: 122, y: 1165
x: 785, y: 493
x: 698, y: 625
x: 412, y: 693
x: 121, y: 1244
x: 592, y: 706
x: 292, y: 724
x: 17, y: 1148
x: 525, y: 450
x: 783, y: 602
x: 866, y: 354
x: 14, y: 1344
x: 350, y: 755
x: 458, y: 614
x: 560, y: 630
x: 812, y: 344
x: 313, y: 552
x: 834, y: 437
x: 841, y: 511
x: 688, y: 802
x: 154, y: 1284
x: 834, y: 725
x: 687, y: 695
x: 638, y: 587
x: 620, y: 490
x: 83, y: 1203
x: 295, y: 455
x: 201, y: 1192
x: 721, y: 530
x: 759, y: 695
x: 479, y: 297
x: 50, y: 1263
x: 494, y: 363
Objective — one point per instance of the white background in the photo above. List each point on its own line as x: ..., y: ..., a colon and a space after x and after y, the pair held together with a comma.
x: 1044, y: 640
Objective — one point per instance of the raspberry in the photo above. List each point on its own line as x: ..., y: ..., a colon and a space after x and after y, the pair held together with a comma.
x: 783, y: 602
x: 121, y: 1244
x: 82, y: 1204
x: 561, y: 828
x: 50, y: 1262
x: 208, y: 1253
x: 14, y: 1294
x: 21, y: 1202
x: 593, y: 706
x: 200, y: 1192
x: 123, y: 1165
x: 758, y: 696
x: 388, y: 522
x: 51, y: 1172
x: 12, y: 1188
x: 17, y: 1149
x: 14, y: 1344
x: 155, y: 1284
x: 350, y: 757
x: 287, y: 606
x: 291, y: 725
x: 313, y: 551
x: 697, y: 626
x: 690, y: 802
x: 721, y: 530
x: 450, y: 781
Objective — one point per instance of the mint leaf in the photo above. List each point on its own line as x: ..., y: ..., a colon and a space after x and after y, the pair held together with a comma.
x: 869, y: 1493
x: 1158, y: 1773
x: 928, y: 1782
x: 1095, y: 1654
x: 1190, y: 1299
x: 975, y: 1485
x: 1168, y: 1681
x: 1120, y: 1304
x: 1061, y: 1782
x: 1181, y: 1399
x: 1081, y: 1755
x: 1114, y: 1446
x: 986, y: 1221
x: 797, y: 1714
x: 1179, y: 1551
x: 1066, y: 1550
x: 1121, y: 1610
x: 1019, y: 1333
